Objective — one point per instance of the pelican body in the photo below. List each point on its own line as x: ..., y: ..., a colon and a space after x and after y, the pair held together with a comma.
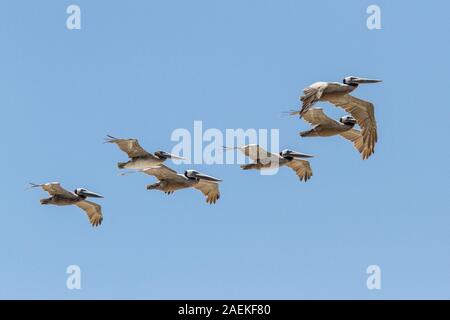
x: 139, y: 157
x: 324, y: 126
x: 266, y: 160
x: 170, y: 185
x: 62, y: 197
x: 64, y: 200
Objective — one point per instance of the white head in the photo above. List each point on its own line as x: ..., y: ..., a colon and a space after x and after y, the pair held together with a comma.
x: 195, y: 175
x: 83, y: 193
x: 348, y: 120
x: 290, y: 154
x: 355, y: 81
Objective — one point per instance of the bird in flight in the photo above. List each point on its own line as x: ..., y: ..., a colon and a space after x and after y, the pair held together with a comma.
x: 323, y: 126
x: 322, y: 91
x: 139, y: 158
x: 170, y: 181
x: 266, y: 160
x: 62, y: 197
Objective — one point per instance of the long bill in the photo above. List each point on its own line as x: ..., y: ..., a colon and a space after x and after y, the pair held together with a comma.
x: 366, y: 80
x: 172, y: 156
x: 299, y: 155
x: 90, y: 194
x: 202, y: 176
x: 167, y: 155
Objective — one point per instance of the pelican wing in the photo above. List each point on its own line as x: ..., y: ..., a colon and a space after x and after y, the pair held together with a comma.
x: 301, y: 168
x: 130, y: 146
x: 256, y: 153
x: 356, y: 137
x: 316, y: 116
x: 310, y: 96
x: 363, y: 112
x: 54, y: 189
x: 210, y: 189
x: 93, y: 211
x: 161, y: 172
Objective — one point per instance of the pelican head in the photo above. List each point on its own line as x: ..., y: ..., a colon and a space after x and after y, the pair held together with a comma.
x: 165, y: 155
x: 195, y: 175
x: 348, y: 120
x: 355, y: 81
x: 289, y: 154
x: 83, y: 193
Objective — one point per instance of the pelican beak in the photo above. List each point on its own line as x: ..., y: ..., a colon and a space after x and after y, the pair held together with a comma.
x: 206, y: 177
x: 299, y: 155
x: 166, y: 155
x: 225, y: 148
x: 172, y: 156
x: 90, y: 194
x: 365, y: 80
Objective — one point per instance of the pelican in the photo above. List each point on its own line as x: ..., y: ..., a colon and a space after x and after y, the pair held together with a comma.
x: 320, y: 91
x: 266, y: 160
x: 327, y: 127
x: 62, y: 197
x: 139, y: 158
x: 170, y: 181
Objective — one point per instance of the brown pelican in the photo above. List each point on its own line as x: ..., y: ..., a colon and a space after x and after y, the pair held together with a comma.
x: 266, y: 160
x: 62, y: 197
x: 327, y: 127
x: 170, y: 181
x: 319, y: 91
x: 140, y: 159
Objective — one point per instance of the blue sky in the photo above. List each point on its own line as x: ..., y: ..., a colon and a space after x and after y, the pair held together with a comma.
x: 144, y: 68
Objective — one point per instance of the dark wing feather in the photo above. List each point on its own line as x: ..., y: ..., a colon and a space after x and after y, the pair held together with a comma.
x: 130, y: 146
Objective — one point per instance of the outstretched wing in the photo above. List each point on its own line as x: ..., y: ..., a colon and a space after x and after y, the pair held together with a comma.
x: 363, y: 112
x: 316, y: 116
x: 301, y: 168
x: 356, y: 137
x: 93, y: 211
x: 130, y: 146
x: 161, y: 172
x: 54, y: 189
x: 310, y: 96
x: 209, y: 189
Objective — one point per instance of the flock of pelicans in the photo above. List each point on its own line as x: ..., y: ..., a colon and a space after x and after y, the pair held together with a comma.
x: 360, y: 112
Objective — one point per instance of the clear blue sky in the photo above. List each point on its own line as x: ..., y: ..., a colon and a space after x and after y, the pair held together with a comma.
x: 144, y: 68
